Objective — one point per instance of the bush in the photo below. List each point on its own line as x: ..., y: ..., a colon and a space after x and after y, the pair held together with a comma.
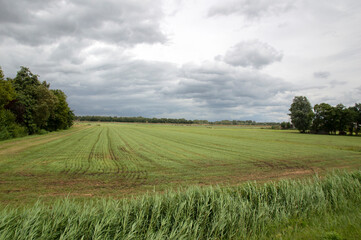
x: 286, y: 125
x: 42, y: 132
x: 19, y: 131
x: 8, y: 127
x: 4, y: 134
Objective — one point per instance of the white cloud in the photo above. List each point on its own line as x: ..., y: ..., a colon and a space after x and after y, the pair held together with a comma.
x: 253, y: 53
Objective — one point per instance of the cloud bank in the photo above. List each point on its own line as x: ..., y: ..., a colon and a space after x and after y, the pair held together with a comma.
x: 250, y: 9
x: 252, y: 53
x: 43, y: 22
x: 90, y: 49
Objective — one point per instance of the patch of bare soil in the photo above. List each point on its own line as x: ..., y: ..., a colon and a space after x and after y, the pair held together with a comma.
x: 261, y: 176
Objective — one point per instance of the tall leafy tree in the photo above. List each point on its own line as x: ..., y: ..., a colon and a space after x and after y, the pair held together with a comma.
x: 46, y: 102
x: 352, y: 120
x: 26, y: 101
x: 301, y: 113
x: 357, y: 109
x: 62, y: 117
x: 343, y: 117
x: 8, y: 126
x: 325, y: 120
x: 7, y: 92
x: 26, y: 84
x: 39, y: 102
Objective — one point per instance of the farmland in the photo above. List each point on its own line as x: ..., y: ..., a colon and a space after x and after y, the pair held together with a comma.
x: 94, y: 160
x: 327, y: 208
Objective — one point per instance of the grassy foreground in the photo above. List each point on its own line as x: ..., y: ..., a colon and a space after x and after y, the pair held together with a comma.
x: 119, y: 160
x: 327, y: 208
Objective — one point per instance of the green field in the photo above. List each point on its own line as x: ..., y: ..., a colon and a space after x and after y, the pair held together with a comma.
x: 327, y: 208
x: 118, y: 160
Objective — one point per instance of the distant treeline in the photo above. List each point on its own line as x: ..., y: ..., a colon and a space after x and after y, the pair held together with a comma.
x: 324, y: 118
x: 28, y: 106
x: 168, y: 120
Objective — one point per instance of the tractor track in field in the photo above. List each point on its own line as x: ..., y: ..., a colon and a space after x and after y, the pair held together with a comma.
x: 68, y: 168
x: 47, y: 157
x: 113, y: 157
x: 131, y: 177
x: 208, y: 147
x: 92, y: 154
x: 181, y: 146
x: 157, y: 145
x: 132, y: 155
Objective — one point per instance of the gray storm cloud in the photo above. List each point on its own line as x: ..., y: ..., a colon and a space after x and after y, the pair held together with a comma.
x: 90, y: 49
x: 251, y: 9
x: 218, y: 85
x: 43, y: 22
x: 321, y: 74
x: 253, y: 53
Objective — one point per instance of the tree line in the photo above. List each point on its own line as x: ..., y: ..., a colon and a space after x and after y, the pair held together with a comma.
x: 132, y: 119
x: 324, y: 118
x: 168, y: 120
x: 28, y: 106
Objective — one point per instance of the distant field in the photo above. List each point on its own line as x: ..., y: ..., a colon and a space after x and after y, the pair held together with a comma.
x: 120, y: 159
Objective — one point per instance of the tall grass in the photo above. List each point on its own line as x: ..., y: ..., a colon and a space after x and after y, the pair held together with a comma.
x: 248, y: 211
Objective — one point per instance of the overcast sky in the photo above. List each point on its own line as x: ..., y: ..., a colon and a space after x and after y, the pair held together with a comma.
x: 199, y: 59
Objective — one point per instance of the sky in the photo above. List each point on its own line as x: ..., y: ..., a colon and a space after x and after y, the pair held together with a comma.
x: 196, y: 59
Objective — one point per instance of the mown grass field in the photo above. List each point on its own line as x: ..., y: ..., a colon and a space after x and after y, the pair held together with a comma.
x: 118, y: 160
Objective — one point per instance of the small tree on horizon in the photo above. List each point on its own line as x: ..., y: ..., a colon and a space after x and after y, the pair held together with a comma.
x: 301, y: 113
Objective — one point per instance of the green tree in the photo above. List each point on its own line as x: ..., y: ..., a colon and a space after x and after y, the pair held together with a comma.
x: 7, y: 92
x: 285, y: 125
x: 62, y: 117
x: 301, y: 113
x: 343, y: 118
x: 26, y: 101
x: 8, y: 126
x: 351, y: 120
x: 26, y: 84
x: 327, y: 118
x: 45, y: 104
x: 36, y: 98
x: 357, y: 109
